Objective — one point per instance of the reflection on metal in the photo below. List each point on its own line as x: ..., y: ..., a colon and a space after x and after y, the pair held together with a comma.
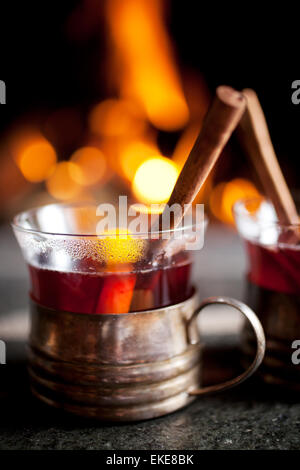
x: 124, y: 367
x: 260, y: 342
x: 279, y: 315
x: 114, y: 367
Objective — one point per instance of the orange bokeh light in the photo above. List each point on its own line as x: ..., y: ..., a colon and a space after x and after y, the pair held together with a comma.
x: 154, y: 180
x: 133, y: 154
x: 225, y: 195
x: 34, y: 155
x: 62, y: 183
x: 116, y: 118
x: 91, y: 166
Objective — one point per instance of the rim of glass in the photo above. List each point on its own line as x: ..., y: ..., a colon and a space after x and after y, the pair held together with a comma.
x: 237, y: 211
x: 16, y: 225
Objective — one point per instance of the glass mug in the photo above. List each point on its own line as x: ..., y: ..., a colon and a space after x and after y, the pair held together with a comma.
x: 113, y: 336
x: 273, y: 286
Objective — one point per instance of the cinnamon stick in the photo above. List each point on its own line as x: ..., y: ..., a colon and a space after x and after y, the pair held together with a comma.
x: 219, y: 123
x: 255, y: 138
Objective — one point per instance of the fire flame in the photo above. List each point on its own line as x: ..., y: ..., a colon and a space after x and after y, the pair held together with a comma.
x: 149, y: 75
x: 123, y: 130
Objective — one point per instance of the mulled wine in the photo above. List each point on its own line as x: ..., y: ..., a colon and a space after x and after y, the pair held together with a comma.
x: 273, y: 289
x: 113, y: 290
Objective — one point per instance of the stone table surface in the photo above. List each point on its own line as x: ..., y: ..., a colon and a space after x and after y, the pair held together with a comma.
x: 251, y: 416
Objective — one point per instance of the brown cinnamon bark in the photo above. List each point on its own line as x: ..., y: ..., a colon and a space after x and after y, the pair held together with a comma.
x: 255, y: 138
x: 220, y: 121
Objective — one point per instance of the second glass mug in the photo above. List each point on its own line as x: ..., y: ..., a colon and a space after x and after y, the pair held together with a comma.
x: 111, y: 337
x: 272, y: 288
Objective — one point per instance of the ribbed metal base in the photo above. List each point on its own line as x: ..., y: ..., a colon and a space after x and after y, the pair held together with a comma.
x: 70, y: 368
x: 280, y: 316
x: 98, y: 397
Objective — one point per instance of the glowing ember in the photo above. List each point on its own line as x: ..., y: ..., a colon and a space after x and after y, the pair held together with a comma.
x: 155, y: 180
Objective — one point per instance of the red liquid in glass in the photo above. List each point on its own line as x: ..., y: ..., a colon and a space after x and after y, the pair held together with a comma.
x: 111, y: 292
x: 276, y: 269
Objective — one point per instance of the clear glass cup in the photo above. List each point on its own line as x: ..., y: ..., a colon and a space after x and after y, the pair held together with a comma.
x: 75, y: 269
x: 114, y: 330
x: 273, y: 287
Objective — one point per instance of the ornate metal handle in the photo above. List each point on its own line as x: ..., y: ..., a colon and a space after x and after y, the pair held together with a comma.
x: 260, y: 338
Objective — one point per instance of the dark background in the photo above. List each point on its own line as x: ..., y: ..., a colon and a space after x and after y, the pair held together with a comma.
x: 43, y: 67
